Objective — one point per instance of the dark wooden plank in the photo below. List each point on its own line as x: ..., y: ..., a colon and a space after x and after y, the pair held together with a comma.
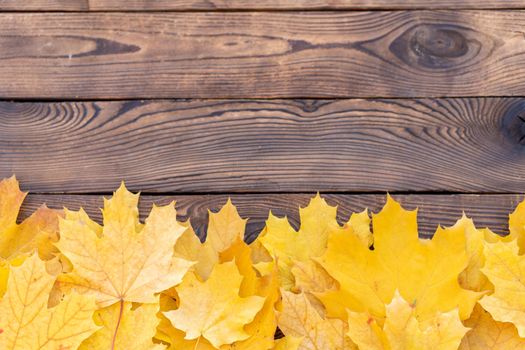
x: 262, y: 54
x: 211, y: 5
x: 201, y: 146
x: 44, y: 5
x: 486, y: 210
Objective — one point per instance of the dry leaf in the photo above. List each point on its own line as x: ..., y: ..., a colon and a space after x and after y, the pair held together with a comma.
x: 123, y: 260
x: 38, y: 232
x: 27, y: 324
x: 506, y: 271
x: 225, y: 227
x: 424, y: 271
x: 189, y: 247
x: 403, y: 331
x: 289, y: 247
x: 299, y: 319
x: 488, y: 334
x: 288, y: 343
x: 125, y: 327
x: 213, y: 309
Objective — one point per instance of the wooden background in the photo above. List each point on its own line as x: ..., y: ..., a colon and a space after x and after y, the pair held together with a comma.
x: 268, y: 102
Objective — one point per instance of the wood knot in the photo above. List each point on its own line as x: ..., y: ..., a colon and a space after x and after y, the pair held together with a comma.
x: 514, y: 123
x: 438, y: 46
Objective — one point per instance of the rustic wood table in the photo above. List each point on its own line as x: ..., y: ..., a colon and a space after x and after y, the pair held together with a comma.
x: 268, y: 102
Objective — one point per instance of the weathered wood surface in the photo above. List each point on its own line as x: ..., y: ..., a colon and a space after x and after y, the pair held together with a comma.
x: 434, y: 210
x: 44, y: 5
x: 201, y: 146
x: 262, y: 54
x: 212, y: 5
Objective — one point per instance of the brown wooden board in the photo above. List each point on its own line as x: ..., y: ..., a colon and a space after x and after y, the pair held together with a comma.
x: 44, y: 5
x: 262, y: 54
x: 458, y: 145
x: 434, y: 210
x: 212, y: 5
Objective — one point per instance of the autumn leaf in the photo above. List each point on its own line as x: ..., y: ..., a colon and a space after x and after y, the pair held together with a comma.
x: 517, y: 227
x: 261, y: 330
x: 289, y: 246
x: 123, y: 260
x: 28, y: 324
x: 125, y: 326
x: 402, y: 329
x: 471, y: 277
x: 488, y: 334
x: 288, y: 343
x: 424, y: 271
x: 506, y: 271
x: 225, y: 227
x: 213, y: 309
x: 36, y: 233
x: 189, y: 247
x: 299, y: 319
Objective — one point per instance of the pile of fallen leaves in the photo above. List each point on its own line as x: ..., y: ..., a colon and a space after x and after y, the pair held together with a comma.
x: 67, y: 282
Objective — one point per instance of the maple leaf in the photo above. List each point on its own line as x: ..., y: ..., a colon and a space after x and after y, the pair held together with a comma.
x: 261, y: 330
x: 424, y: 271
x: 225, y: 227
x: 125, y: 327
x: 402, y: 330
x: 213, y: 309
x: 288, y: 343
x: 488, y: 334
x: 123, y: 260
x: 472, y: 278
x: 189, y: 247
x: 506, y: 271
x: 27, y: 323
x: 36, y: 233
x: 288, y: 246
x: 517, y: 227
x: 299, y: 319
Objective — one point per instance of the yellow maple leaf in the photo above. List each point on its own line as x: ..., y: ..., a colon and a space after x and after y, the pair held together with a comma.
x: 213, y: 309
x: 225, y: 227
x: 488, y: 334
x: 125, y: 326
x: 517, y: 226
x: 261, y: 330
x: 318, y: 219
x: 38, y: 232
x: 472, y: 277
x: 506, y: 271
x: 288, y: 246
x: 189, y: 247
x: 288, y: 343
x: 360, y: 224
x: 123, y: 260
x: 26, y: 323
x: 299, y: 319
x: 403, y: 331
x: 424, y: 271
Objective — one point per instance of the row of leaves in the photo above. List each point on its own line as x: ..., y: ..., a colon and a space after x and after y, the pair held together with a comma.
x: 67, y: 282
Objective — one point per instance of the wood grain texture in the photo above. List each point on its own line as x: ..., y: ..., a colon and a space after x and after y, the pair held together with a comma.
x: 211, y: 5
x: 44, y: 5
x: 201, y: 146
x: 486, y: 210
x: 262, y: 54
